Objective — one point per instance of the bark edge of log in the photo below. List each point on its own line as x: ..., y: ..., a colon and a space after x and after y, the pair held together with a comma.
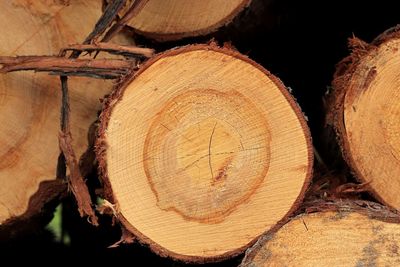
x: 334, y: 120
x: 39, y: 211
x: 370, y: 209
x: 101, y: 149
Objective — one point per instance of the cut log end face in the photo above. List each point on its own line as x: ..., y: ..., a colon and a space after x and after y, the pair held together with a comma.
x: 205, y: 151
x: 175, y: 19
x: 331, y: 238
x: 213, y: 151
x: 371, y: 114
x: 30, y: 103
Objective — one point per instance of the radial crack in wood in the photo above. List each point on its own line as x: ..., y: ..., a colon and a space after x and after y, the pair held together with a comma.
x: 202, y: 151
x: 341, y: 234
x: 365, y: 111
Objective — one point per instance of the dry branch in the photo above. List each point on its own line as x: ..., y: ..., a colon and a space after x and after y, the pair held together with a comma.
x: 96, y: 68
x: 29, y: 143
x: 78, y: 185
x: 123, y: 50
x: 134, y: 9
x: 109, y: 15
x: 67, y: 155
x: 363, y: 109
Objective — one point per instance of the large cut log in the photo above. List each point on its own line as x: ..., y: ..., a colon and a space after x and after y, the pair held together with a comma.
x: 365, y: 112
x: 340, y: 234
x: 30, y: 103
x: 202, y: 151
x: 176, y: 19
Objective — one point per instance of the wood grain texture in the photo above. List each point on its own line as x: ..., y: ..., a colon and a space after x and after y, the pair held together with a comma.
x: 30, y: 103
x: 365, y: 112
x: 175, y: 19
x: 202, y: 151
x: 341, y: 234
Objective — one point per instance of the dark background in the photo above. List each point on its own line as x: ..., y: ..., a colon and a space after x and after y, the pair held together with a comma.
x: 300, y: 44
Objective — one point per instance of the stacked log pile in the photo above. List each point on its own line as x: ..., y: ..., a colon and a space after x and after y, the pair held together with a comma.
x: 201, y: 153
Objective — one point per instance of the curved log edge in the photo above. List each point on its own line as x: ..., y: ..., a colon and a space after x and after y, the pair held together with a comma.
x: 40, y: 27
x: 68, y: 64
x: 39, y: 211
x: 247, y: 7
x: 335, y: 99
x: 369, y: 209
x: 101, y: 148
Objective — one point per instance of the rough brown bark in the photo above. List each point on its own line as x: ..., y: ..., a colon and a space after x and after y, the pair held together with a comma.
x: 325, y: 231
x: 96, y: 68
x: 356, y: 78
x: 247, y: 16
x: 30, y: 102
x: 40, y: 207
x: 74, y: 66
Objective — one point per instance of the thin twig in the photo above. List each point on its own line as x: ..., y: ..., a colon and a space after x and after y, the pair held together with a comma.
x: 104, y: 68
x: 109, y: 15
x: 135, y: 8
x: 76, y: 180
x: 101, y: 68
x: 61, y: 171
x: 124, y: 50
x: 78, y: 185
x: 65, y: 108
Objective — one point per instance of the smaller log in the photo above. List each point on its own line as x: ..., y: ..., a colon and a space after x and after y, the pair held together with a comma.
x: 364, y: 110
x: 177, y: 19
x: 30, y: 107
x: 38, y: 212
x: 342, y: 233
